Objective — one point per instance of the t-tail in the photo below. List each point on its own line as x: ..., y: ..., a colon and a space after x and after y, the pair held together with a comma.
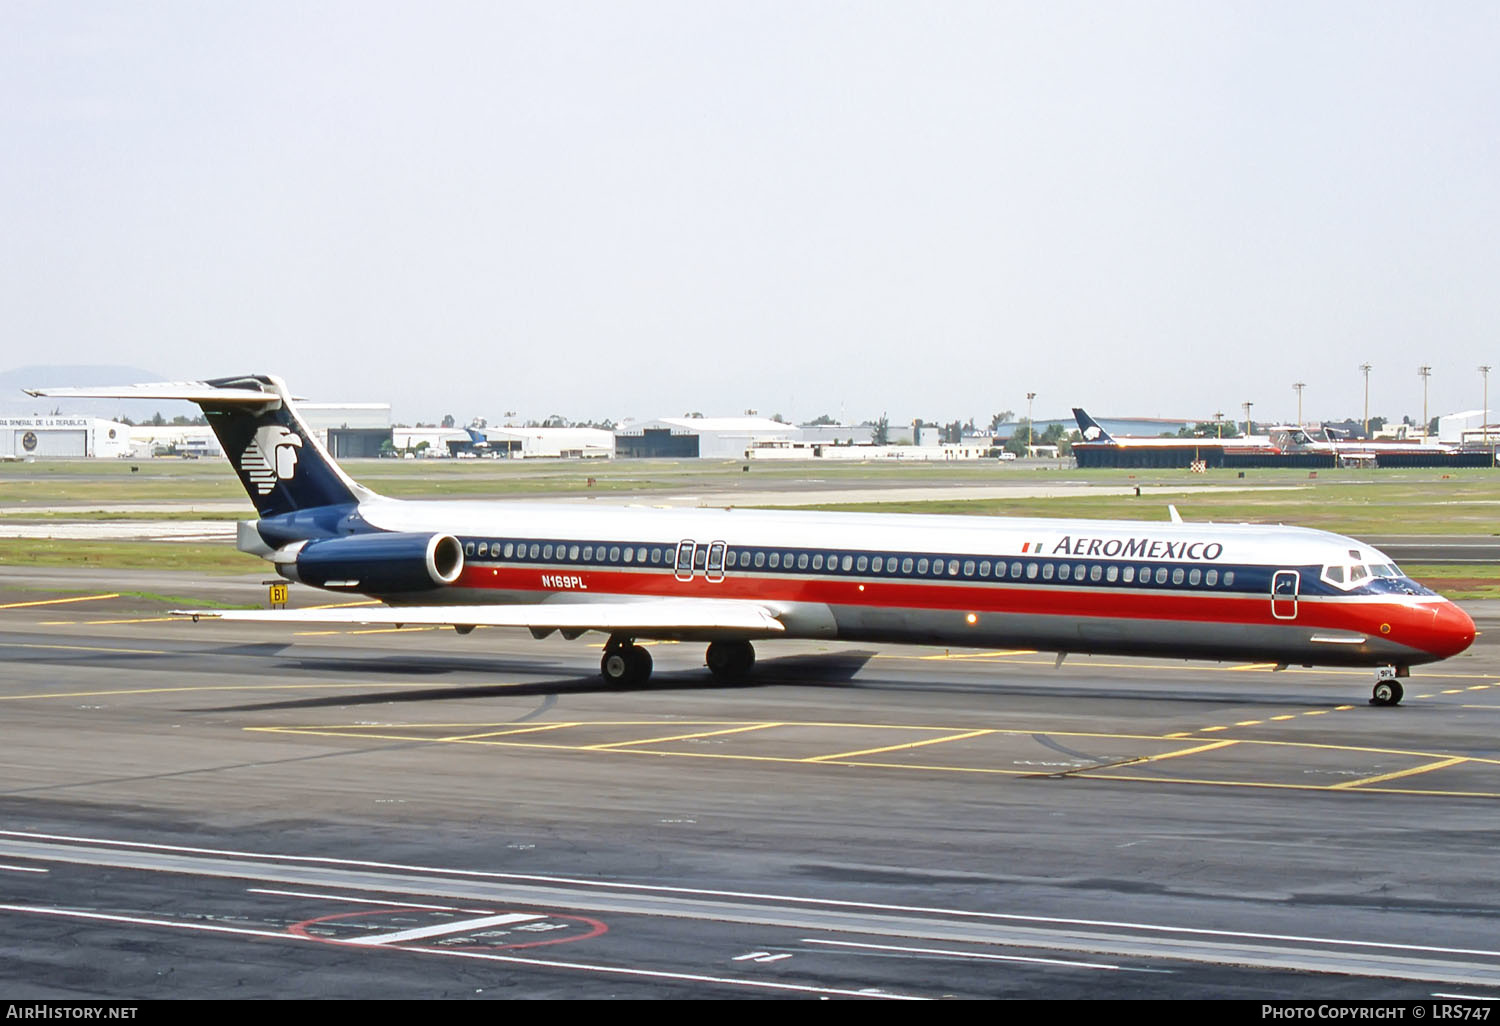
x: 1090, y: 428
x: 282, y: 465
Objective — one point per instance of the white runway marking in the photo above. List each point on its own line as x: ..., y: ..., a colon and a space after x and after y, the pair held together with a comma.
x: 439, y: 929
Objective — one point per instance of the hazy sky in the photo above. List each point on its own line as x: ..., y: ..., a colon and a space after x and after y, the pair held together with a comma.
x: 643, y: 208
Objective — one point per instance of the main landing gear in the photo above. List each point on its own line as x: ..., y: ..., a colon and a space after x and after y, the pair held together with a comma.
x: 1388, y: 690
x: 625, y: 664
x: 730, y: 661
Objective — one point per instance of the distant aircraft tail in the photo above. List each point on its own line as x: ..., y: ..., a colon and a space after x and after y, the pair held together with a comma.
x: 280, y: 462
x: 1090, y: 428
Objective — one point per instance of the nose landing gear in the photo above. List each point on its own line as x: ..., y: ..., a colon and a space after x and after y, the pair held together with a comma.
x: 1388, y: 690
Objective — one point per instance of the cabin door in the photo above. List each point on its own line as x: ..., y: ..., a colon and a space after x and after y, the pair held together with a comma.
x: 1284, y: 594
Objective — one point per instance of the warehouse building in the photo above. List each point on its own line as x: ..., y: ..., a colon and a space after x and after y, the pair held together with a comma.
x: 724, y: 438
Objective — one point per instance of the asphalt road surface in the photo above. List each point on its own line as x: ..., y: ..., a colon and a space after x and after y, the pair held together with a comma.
x: 207, y: 810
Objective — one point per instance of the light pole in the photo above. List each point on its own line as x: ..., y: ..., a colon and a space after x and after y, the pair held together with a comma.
x: 1029, y: 396
x: 1366, y: 368
x: 1424, y: 372
x: 1485, y: 370
x: 1219, y: 424
x: 1299, y: 386
x: 1247, y: 406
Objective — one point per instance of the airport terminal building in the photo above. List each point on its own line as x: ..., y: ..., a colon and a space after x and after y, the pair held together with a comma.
x: 62, y: 437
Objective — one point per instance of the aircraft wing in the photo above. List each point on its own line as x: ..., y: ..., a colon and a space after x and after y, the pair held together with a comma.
x: 666, y: 617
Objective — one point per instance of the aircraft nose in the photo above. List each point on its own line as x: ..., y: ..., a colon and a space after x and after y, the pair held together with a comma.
x: 1451, y: 632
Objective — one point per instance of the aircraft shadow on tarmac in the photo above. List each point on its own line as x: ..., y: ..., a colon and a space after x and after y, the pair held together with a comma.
x: 834, y: 668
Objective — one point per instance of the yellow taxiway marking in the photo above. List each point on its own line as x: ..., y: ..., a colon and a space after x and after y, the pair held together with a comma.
x: 1249, y: 723
x: 58, y: 602
x: 122, y: 692
x: 147, y: 619
x: 1249, y: 666
x: 982, y: 655
x: 1288, y: 716
x: 1383, y: 777
x: 84, y: 648
x: 344, y: 605
x: 509, y: 733
x: 504, y: 735
x: 1190, y: 751
x: 678, y: 737
x: 898, y: 748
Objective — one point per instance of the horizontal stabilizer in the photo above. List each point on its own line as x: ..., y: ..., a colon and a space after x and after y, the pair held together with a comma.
x: 664, y: 617
x: 188, y: 391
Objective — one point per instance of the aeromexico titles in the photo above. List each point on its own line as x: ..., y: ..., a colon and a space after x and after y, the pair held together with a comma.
x: 1281, y: 595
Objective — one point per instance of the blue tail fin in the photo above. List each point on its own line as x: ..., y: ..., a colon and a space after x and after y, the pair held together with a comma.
x: 1090, y: 428
x: 280, y: 462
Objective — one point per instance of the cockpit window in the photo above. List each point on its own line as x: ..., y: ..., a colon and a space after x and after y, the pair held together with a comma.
x: 1353, y: 575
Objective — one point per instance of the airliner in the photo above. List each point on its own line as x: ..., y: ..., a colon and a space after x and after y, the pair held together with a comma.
x: 1093, y: 433
x: 733, y: 577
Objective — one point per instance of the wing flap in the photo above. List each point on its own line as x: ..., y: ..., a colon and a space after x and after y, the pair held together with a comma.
x: 664, y: 616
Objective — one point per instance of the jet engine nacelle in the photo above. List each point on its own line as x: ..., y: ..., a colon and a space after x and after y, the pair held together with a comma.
x: 375, y: 563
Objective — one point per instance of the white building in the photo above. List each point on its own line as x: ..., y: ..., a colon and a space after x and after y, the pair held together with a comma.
x: 724, y: 438
x: 1452, y: 427
x: 552, y: 443
x: 62, y: 437
x: 801, y: 450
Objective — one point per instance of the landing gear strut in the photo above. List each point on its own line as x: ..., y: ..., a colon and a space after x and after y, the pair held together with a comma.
x: 625, y: 664
x: 1388, y: 690
x: 730, y: 661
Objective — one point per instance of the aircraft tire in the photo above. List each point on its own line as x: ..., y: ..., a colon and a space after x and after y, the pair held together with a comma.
x: 1387, y: 692
x: 625, y: 665
x: 730, y: 661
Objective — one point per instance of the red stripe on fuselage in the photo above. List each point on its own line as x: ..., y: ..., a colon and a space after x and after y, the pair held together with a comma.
x: 1406, y: 621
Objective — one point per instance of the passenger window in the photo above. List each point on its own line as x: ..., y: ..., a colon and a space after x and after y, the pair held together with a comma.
x: 1211, y: 578
x: 1228, y: 578
x: 614, y: 553
x: 1030, y: 571
x: 984, y: 568
x: 774, y: 560
x: 906, y: 565
x: 817, y: 560
x: 952, y: 568
x: 801, y: 561
x: 656, y: 555
x: 1161, y: 575
x: 1128, y: 575
x: 1194, y: 576
x: 921, y: 566
x: 969, y: 568
x: 1064, y: 572
x: 1047, y: 571
x: 629, y: 555
x: 700, y: 557
x: 469, y: 549
x: 509, y: 548
x: 846, y: 563
x: 573, y: 553
x: 1078, y: 571
x: 1112, y: 574
x: 483, y: 548
x: 547, y: 551
x: 588, y: 553
x: 877, y: 563
x: 1177, y: 576
x: 535, y: 548
x: 1095, y: 572
x: 760, y: 559
x: 1015, y: 571
x: 862, y: 564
